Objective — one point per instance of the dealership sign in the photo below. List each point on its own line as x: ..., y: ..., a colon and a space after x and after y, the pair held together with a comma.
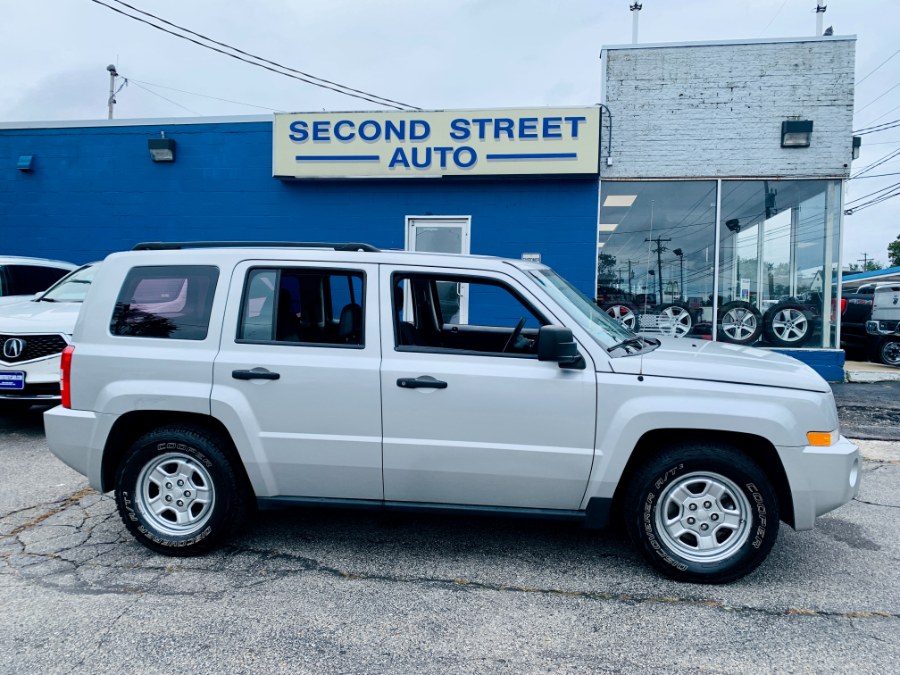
x: 532, y: 141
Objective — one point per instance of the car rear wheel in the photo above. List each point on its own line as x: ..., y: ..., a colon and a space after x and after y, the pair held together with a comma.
x: 178, y: 492
x: 702, y: 513
x: 889, y: 351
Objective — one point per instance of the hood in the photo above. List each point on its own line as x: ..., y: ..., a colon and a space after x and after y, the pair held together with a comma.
x: 39, y: 317
x: 692, y: 359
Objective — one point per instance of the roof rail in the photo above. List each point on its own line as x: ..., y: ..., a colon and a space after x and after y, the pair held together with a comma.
x: 175, y: 245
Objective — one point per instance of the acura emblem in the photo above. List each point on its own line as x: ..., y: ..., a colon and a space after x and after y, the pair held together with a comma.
x: 13, y: 348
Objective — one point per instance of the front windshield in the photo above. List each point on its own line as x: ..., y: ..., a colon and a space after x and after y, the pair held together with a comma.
x: 71, y: 288
x: 602, y: 327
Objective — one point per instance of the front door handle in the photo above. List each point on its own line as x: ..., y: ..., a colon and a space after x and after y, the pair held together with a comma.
x: 422, y: 382
x: 255, y: 374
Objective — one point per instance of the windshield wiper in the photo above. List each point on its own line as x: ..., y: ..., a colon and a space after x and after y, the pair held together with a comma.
x: 636, y: 340
x: 45, y: 300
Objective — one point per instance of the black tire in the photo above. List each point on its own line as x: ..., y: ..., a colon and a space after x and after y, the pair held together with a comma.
x: 740, y: 323
x: 888, y: 351
x: 789, y: 324
x: 742, y: 521
x: 623, y: 312
x: 677, y: 318
x: 211, y: 498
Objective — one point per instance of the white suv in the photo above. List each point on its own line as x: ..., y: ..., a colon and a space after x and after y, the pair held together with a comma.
x: 203, y: 378
x: 33, y: 333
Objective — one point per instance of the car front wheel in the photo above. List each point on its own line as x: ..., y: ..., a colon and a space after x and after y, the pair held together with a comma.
x: 177, y: 491
x: 702, y: 513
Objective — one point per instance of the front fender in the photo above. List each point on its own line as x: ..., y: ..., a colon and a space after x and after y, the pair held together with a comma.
x: 628, y: 408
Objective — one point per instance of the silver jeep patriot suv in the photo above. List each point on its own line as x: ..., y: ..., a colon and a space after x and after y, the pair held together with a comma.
x: 202, y: 378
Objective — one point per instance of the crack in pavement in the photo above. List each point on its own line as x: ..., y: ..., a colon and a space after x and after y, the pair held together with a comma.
x: 82, y: 553
x: 887, y: 506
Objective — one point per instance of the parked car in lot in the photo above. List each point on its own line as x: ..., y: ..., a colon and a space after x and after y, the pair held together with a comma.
x: 33, y: 334
x: 27, y: 276
x: 884, y: 325
x: 856, y: 310
x: 202, y: 377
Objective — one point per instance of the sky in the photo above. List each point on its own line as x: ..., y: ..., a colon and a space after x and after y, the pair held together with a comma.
x: 430, y: 54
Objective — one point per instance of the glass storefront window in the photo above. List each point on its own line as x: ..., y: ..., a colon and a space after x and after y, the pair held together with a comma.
x: 778, y: 258
x: 656, y: 255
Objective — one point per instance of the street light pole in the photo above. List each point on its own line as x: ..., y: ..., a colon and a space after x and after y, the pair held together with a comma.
x: 680, y: 255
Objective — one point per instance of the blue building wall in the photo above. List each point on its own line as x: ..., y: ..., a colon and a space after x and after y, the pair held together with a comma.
x: 95, y: 190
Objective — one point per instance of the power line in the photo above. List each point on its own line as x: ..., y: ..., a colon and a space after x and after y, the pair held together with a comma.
x: 884, y: 126
x: 877, y: 175
x: 859, y: 82
x: 164, y: 98
x: 260, y: 61
x: 872, y: 194
x: 878, y: 98
x: 216, y: 98
x: 876, y: 163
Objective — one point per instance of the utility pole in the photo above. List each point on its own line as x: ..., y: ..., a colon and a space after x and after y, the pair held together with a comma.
x: 680, y: 253
x: 112, y: 88
x: 865, y: 261
x: 659, y: 251
x: 820, y: 15
x: 635, y: 12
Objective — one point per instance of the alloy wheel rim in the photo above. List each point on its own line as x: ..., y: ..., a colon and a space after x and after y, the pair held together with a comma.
x: 623, y: 315
x: 677, y: 321
x: 891, y: 353
x: 739, y: 323
x: 790, y: 325
x: 176, y: 494
x: 703, y: 517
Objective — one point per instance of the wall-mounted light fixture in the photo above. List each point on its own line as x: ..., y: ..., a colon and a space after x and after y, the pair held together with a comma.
x: 26, y: 163
x: 162, y: 149
x: 857, y: 144
x: 796, y: 133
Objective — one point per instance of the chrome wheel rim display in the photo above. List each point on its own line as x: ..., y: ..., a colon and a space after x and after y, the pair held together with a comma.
x: 890, y: 353
x: 624, y: 315
x: 675, y: 321
x: 703, y: 517
x: 175, y: 493
x: 739, y: 323
x: 790, y: 325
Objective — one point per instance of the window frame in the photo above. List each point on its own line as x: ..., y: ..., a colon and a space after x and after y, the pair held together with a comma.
x: 215, y: 274
x: 399, y: 275
x: 348, y: 272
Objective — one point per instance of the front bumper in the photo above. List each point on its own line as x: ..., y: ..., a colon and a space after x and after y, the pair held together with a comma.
x: 821, y: 479
x: 41, y: 380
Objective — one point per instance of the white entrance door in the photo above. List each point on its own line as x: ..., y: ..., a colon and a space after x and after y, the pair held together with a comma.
x: 443, y: 234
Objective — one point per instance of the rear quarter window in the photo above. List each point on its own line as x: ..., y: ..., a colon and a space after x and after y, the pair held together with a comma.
x: 172, y: 301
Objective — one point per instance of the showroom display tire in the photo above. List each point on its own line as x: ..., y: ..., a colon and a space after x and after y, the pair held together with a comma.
x: 662, y: 492
x: 750, y: 325
x: 887, y: 351
x: 623, y: 312
x: 211, y: 498
x: 788, y: 324
x: 683, y: 318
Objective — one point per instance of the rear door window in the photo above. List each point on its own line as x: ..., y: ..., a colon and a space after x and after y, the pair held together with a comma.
x: 166, y: 302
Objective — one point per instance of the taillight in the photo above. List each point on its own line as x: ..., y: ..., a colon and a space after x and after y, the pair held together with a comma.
x: 65, y: 372
x: 834, y: 305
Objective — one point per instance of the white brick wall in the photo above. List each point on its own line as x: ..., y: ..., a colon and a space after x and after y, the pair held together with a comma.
x: 715, y: 110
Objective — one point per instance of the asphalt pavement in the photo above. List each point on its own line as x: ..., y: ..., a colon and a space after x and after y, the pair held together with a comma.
x: 311, y: 591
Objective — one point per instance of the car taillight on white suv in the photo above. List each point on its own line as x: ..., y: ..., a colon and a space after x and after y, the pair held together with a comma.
x: 65, y: 371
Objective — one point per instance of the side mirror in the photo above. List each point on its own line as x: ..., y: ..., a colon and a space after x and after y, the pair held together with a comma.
x: 555, y: 343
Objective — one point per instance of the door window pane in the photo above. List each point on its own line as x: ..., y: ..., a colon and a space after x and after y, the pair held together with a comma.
x: 305, y: 306
x: 426, y: 315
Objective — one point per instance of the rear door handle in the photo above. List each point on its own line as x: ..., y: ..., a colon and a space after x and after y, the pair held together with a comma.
x: 255, y: 374
x: 422, y: 382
